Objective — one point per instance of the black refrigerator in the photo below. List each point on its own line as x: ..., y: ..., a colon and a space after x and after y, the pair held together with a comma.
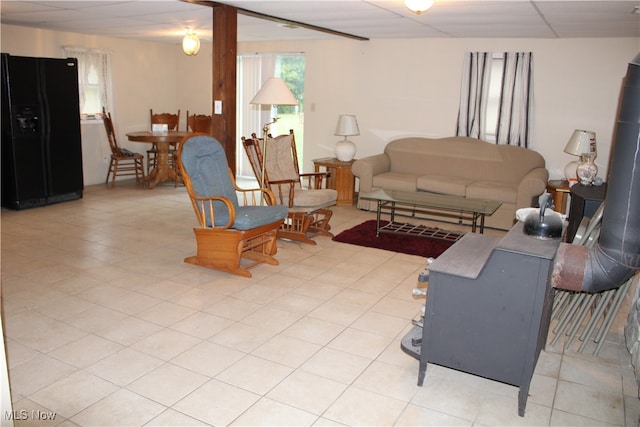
x: 41, y: 143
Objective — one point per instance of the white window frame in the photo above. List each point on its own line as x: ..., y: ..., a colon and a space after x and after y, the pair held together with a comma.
x: 493, y: 97
x: 95, y: 83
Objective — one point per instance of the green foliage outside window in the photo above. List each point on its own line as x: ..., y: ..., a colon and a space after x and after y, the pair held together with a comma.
x: 292, y: 72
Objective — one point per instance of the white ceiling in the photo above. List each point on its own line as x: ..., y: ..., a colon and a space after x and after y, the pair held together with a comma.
x: 166, y: 20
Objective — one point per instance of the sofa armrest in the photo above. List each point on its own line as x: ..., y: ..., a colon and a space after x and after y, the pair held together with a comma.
x: 532, y: 185
x: 367, y: 167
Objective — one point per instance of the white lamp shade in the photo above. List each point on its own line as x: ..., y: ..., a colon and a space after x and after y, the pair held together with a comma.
x: 347, y: 126
x: 274, y: 92
x: 190, y: 43
x: 418, y: 6
x: 581, y: 141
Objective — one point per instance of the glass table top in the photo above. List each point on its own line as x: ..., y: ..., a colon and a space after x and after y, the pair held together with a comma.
x: 434, y: 200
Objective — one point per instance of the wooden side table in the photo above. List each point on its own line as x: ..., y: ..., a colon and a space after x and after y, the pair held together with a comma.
x: 340, y: 179
x: 559, y: 190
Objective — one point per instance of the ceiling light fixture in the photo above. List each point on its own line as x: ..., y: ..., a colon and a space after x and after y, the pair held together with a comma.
x: 418, y: 6
x: 190, y: 43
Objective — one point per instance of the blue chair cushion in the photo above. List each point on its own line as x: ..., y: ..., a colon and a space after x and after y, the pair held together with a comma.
x: 248, y: 217
x: 205, y: 161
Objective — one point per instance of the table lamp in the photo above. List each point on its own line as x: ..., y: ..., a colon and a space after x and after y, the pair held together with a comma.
x: 581, y: 142
x: 345, y: 150
x: 273, y: 92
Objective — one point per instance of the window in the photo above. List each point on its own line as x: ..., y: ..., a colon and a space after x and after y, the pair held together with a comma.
x: 496, y: 97
x: 94, y: 79
x: 252, y: 71
x: 92, y: 103
x: 493, y: 99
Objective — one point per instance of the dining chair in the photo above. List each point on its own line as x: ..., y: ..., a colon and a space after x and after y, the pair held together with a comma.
x: 305, y: 194
x: 235, y: 231
x: 199, y: 123
x: 173, y: 123
x: 123, y: 162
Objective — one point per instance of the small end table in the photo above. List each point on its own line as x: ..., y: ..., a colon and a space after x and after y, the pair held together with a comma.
x: 585, y: 201
x: 559, y: 190
x: 340, y: 178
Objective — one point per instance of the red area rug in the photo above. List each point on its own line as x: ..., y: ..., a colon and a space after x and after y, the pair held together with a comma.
x: 365, y: 235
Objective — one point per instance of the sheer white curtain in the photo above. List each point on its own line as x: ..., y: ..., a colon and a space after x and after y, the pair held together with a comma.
x: 476, y: 77
x: 516, y: 100
x: 94, y: 77
x: 253, y: 71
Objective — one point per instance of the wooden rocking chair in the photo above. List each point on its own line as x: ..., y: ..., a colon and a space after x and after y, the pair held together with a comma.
x: 230, y: 233
x: 304, y: 194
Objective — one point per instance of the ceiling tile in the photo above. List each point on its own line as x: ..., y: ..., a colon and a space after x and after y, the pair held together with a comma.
x: 166, y: 20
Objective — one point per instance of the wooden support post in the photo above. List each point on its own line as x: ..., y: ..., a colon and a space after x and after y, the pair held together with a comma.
x: 225, y: 46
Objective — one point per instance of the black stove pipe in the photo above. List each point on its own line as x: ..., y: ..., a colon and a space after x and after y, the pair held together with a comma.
x: 616, y: 256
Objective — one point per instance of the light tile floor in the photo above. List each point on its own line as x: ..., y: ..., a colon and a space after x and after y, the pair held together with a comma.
x: 105, y: 325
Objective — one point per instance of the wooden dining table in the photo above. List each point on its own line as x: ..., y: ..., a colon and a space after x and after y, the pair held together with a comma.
x: 163, y: 141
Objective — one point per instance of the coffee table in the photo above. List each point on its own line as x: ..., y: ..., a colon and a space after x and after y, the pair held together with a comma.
x: 415, y: 203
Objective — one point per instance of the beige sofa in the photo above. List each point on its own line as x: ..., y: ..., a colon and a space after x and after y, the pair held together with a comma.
x: 459, y: 166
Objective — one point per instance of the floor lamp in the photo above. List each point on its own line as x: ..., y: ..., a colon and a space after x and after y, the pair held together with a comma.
x: 273, y: 92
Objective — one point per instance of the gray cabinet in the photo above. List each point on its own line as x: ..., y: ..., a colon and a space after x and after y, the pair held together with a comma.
x: 585, y: 200
x: 489, y: 307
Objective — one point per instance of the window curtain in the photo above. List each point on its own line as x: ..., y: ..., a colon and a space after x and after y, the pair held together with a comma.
x: 99, y: 62
x: 476, y: 76
x: 253, y: 71
x: 516, y: 100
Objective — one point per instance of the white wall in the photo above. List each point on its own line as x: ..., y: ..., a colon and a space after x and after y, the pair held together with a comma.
x: 145, y: 75
x: 411, y: 87
x: 395, y: 87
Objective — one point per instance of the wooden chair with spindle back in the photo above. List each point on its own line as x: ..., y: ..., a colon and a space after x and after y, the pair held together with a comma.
x: 173, y: 123
x: 123, y: 162
x: 200, y: 123
x: 305, y: 194
x: 197, y: 123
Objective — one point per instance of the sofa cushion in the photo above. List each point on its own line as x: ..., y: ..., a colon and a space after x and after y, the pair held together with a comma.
x: 444, y: 184
x: 395, y: 181
x: 493, y: 190
x: 462, y: 157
